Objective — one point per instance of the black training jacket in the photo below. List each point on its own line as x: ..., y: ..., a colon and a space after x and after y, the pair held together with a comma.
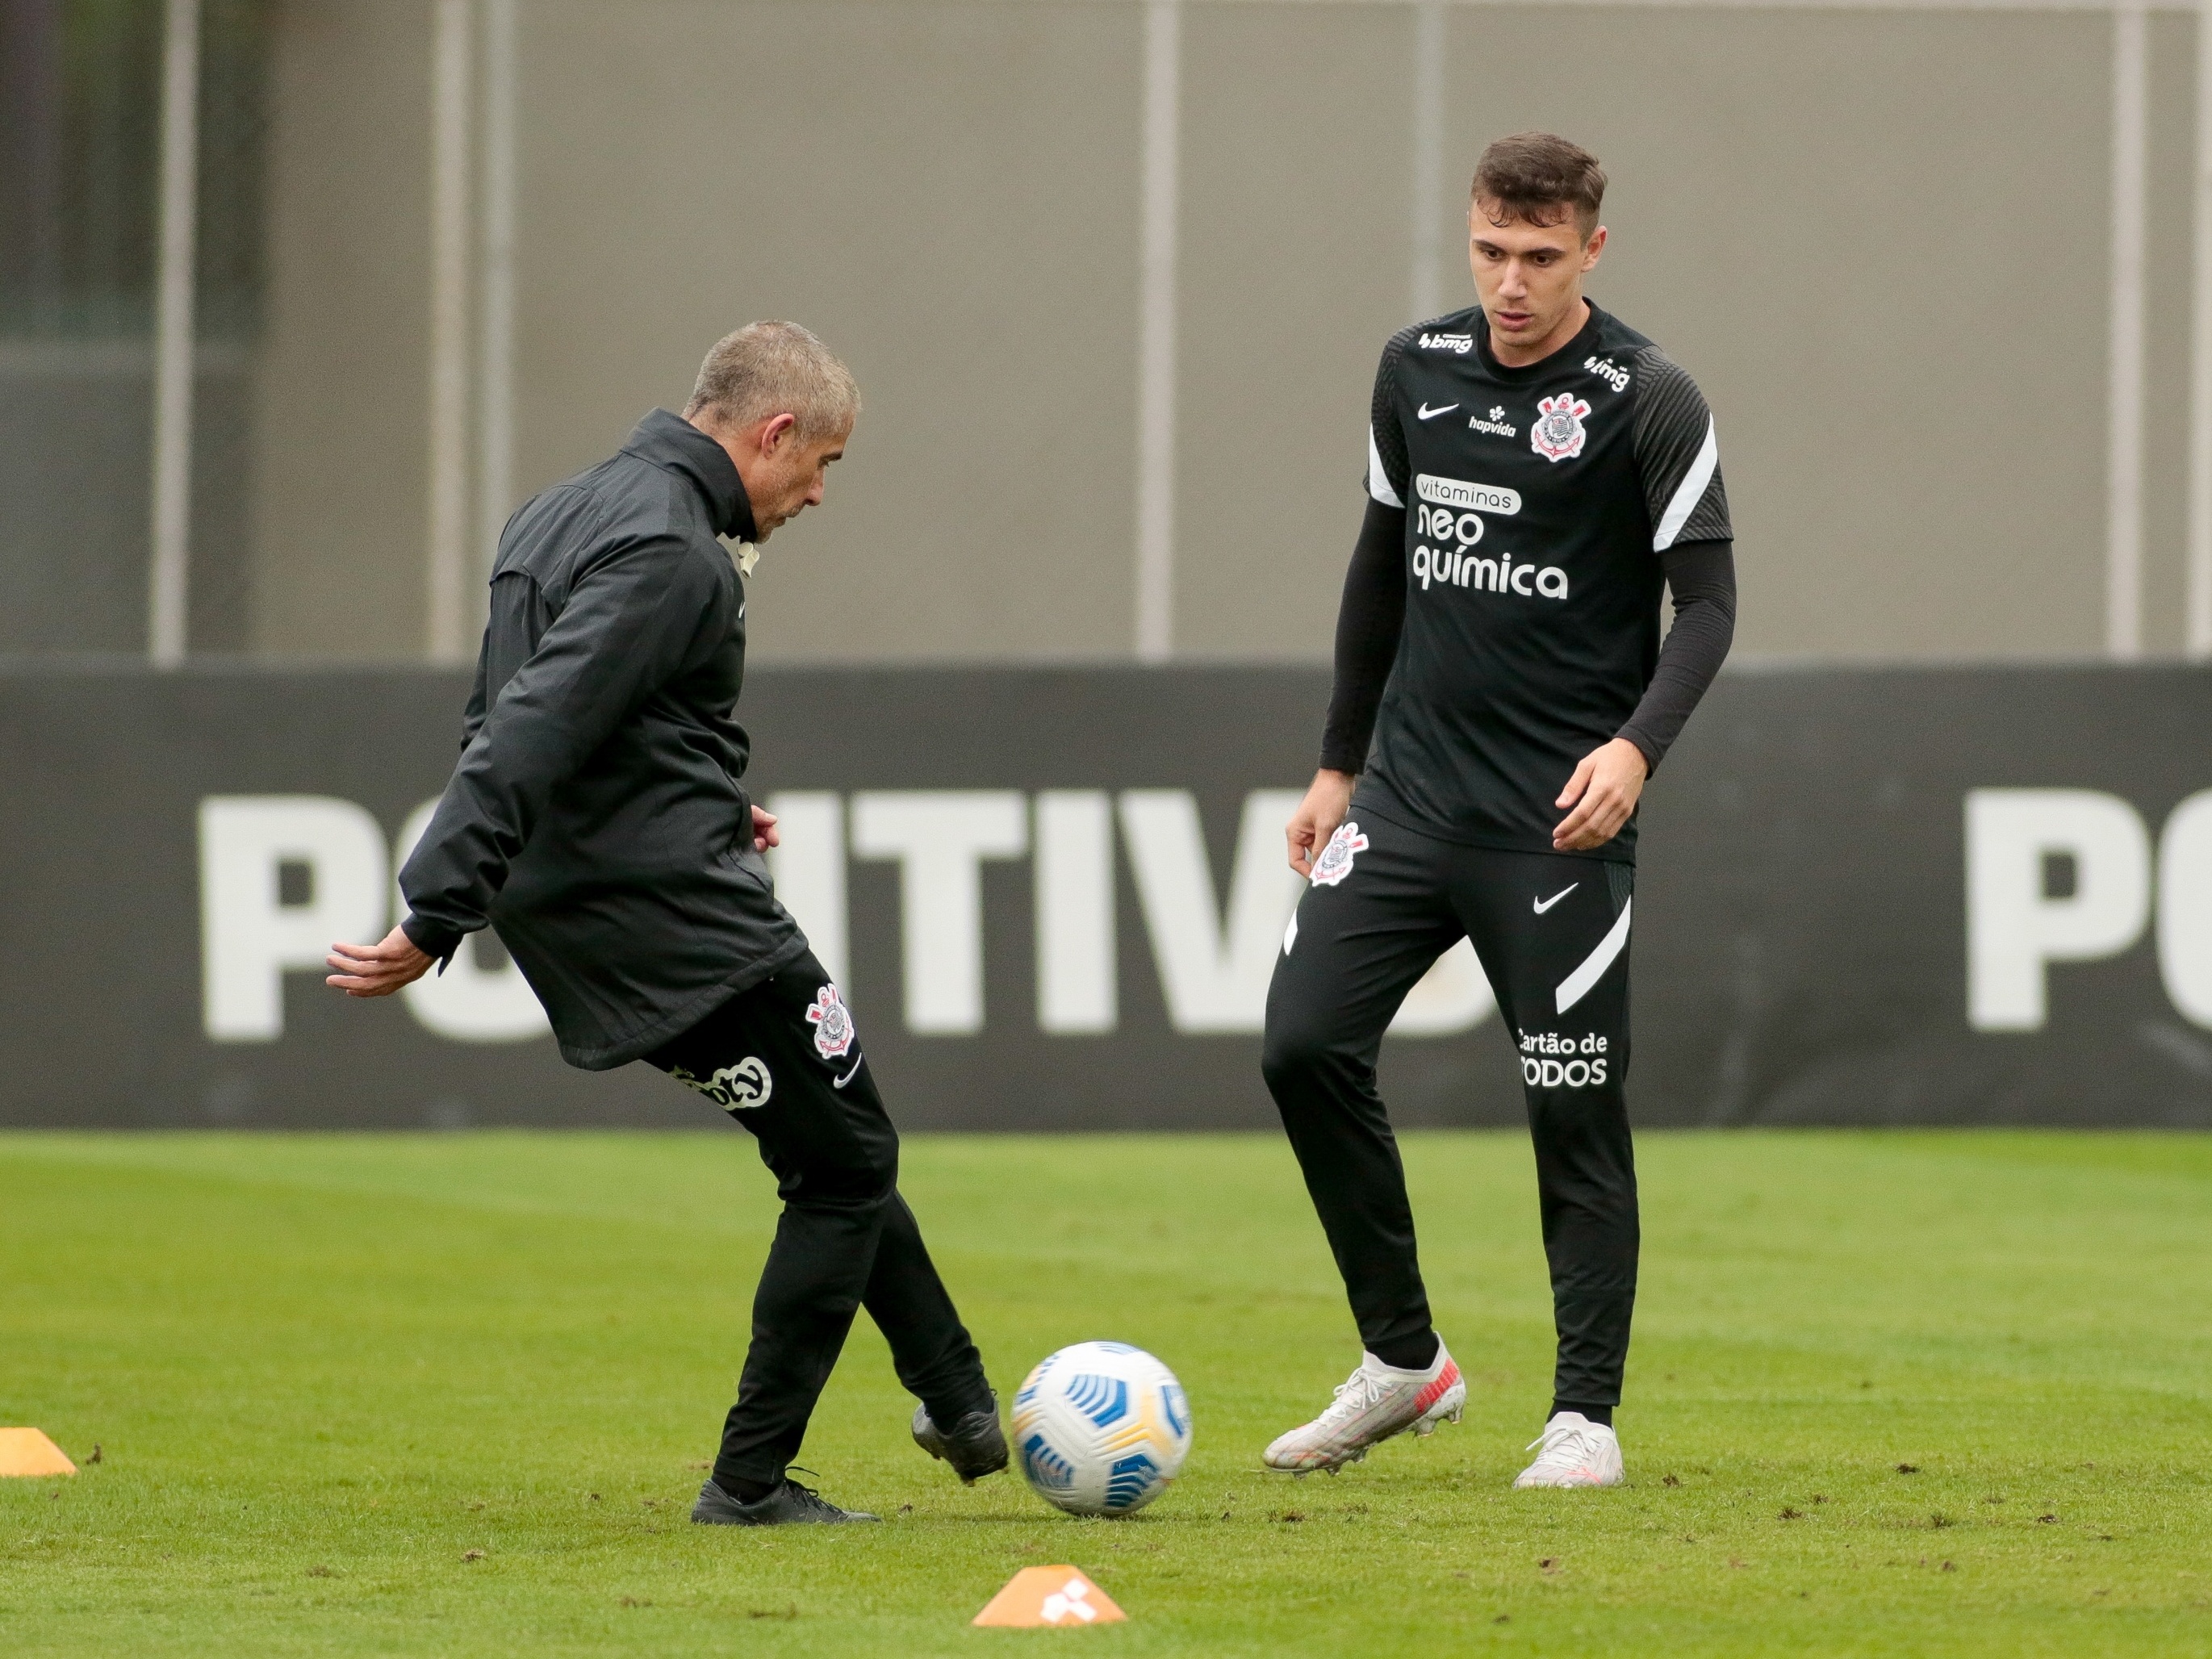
x: 596, y: 817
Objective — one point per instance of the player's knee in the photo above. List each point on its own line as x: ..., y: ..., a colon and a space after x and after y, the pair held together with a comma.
x: 862, y: 1177
x: 877, y: 1174
x: 1293, y: 1053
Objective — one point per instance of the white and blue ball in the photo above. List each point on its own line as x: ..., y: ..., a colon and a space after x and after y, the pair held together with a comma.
x: 1101, y: 1428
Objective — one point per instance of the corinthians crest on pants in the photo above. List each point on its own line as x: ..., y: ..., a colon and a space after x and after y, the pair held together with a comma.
x: 1558, y: 435
x: 833, y: 1023
x: 1334, y: 863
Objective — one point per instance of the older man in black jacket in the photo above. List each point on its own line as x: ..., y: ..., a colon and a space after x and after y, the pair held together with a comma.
x: 598, y: 818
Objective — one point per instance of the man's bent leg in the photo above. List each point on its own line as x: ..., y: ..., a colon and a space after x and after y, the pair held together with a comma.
x: 1561, y: 976
x: 1356, y: 946
x: 958, y: 1420
x: 931, y: 1349
x: 780, y: 1059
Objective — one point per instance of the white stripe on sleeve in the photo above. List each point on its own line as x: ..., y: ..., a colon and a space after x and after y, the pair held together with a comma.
x: 1692, y: 490
x: 1378, y: 481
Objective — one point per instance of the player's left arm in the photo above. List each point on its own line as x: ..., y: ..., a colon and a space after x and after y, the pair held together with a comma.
x: 1678, y: 461
x: 640, y: 610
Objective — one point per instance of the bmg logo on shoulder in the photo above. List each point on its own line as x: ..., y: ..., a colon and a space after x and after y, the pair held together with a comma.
x: 1462, y: 343
x: 1608, y: 371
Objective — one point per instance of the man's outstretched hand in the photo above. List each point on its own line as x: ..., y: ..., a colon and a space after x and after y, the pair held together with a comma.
x: 1605, y: 784
x: 1327, y: 799
x: 377, y: 970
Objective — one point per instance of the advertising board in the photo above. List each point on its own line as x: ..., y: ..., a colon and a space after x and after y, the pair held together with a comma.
x: 1054, y: 897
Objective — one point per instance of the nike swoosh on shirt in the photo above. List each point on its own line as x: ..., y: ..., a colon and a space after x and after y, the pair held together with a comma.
x: 1543, y: 905
x: 1428, y: 414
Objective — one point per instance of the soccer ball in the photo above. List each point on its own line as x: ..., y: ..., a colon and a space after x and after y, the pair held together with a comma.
x: 1101, y: 1428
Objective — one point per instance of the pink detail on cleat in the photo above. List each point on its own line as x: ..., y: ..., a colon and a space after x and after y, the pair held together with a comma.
x: 1446, y: 1380
x: 1375, y: 1402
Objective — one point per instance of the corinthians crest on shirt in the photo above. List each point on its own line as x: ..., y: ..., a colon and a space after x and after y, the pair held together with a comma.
x: 833, y: 1023
x: 1557, y: 433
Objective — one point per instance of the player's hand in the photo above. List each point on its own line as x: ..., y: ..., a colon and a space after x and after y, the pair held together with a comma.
x: 765, y: 834
x: 1328, y: 797
x: 1603, y: 792
x: 378, y: 970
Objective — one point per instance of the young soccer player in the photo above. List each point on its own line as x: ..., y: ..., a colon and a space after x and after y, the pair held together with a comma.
x: 598, y: 820
x: 1536, y: 471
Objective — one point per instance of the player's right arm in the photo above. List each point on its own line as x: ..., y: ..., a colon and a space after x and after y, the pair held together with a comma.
x: 1369, y: 620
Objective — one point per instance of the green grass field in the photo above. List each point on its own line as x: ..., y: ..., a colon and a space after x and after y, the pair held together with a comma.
x: 453, y: 1394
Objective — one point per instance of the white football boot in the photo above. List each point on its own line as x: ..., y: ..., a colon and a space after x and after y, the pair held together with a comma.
x: 1573, y: 1451
x: 1376, y: 1401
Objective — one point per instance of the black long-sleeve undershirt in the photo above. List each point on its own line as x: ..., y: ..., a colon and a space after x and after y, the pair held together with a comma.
x: 1700, y: 578
x: 1369, y: 619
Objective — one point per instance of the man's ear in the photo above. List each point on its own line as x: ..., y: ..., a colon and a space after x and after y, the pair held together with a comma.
x: 774, y: 432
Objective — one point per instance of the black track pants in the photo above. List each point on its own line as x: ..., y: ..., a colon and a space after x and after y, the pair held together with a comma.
x: 1552, y: 933
x: 783, y: 1059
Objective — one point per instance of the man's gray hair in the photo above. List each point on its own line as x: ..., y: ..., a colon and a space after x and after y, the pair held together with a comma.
x: 775, y: 368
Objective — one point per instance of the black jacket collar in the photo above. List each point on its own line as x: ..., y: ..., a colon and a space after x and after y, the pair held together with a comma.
x: 670, y: 441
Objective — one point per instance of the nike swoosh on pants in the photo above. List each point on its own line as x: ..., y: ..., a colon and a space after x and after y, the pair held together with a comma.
x: 1543, y: 905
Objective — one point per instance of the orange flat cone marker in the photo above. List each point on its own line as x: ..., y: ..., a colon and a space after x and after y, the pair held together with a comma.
x: 27, y: 1451
x: 1061, y: 1597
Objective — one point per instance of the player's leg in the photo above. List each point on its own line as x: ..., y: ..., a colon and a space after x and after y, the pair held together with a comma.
x: 931, y: 1349
x: 1377, y: 915
x: 780, y: 1059
x: 957, y: 1418
x: 1552, y: 933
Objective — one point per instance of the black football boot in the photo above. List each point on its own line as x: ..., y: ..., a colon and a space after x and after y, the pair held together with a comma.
x: 975, y: 1444
x: 789, y: 1504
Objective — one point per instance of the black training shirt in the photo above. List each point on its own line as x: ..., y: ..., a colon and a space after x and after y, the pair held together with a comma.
x: 1537, y: 500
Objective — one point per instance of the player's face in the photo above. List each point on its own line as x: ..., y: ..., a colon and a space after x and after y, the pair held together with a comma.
x: 791, y: 478
x: 1529, y: 277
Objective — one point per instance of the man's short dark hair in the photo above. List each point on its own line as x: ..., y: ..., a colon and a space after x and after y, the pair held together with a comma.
x: 1539, y: 177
